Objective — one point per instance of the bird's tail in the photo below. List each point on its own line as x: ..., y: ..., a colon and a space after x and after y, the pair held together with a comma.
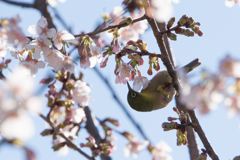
x: 192, y: 65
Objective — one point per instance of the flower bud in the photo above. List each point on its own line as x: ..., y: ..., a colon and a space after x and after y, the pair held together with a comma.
x: 172, y: 36
x: 170, y: 22
x: 182, y: 20
x: 58, y: 146
x: 169, y: 126
x: 47, y: 132
x: 150, y: 72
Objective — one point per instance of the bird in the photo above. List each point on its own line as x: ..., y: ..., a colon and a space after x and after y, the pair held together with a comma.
x: 159, y: 92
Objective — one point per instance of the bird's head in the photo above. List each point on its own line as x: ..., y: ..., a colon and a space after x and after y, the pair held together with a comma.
x: 142, y: 102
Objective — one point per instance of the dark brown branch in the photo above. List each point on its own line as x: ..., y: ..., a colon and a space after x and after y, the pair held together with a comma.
x: 192, y: 143
x: 121, y: 104
x: 165, y: 58
x: 69, y: 142
x: 167, y: 62
x: 110, y: 27
x: 93, y: 131
x: 27, y: 5
x: 197, y: 127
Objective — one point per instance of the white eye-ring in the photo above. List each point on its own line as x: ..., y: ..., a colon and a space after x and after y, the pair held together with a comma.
x: 133, y: 94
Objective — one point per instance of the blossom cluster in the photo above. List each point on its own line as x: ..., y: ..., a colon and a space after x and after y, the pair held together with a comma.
x: 212, y: 89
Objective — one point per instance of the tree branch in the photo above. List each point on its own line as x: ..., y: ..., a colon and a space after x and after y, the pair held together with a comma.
x: 27, y: 5
x: 69, y: 142
x: 167, y: 62
x: 197, y: 127
x: 192, y: 143
x: 93, y: 131
x: 110, y: 27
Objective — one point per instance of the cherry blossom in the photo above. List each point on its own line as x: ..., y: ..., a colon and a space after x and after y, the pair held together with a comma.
x: 32, y: 65
x: 41, y: 29
x: 233, y: 104
x: 134, y: 147
x: 116, y: 14
x: 3, y: 47
x: 15, y: 53
x: 90, y: 55
x: 230, y: 67
x: 81, y: 93
x: 17, y: 126
x: 205, y: 96
x: 76, y: 115
x: 141, y: 26
x: 230, y: 3
x: 160, y: 152
x: 16, y: 99
x: 57, y: 60
x: 124, y: 73
x: 116, y: 46
x: 162, y: 10
x: 60, y: 37
x: 40, y: 46
x: 140, y: 82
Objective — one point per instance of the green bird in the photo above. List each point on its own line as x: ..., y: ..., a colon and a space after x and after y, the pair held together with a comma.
x: 159, y: 92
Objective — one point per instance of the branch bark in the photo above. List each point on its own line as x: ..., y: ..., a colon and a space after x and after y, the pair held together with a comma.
x: 69, y: 142
x: 167, y: 62
x: 192, y: 143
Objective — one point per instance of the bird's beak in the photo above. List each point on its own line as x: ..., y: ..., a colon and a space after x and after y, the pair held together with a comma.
x: 129, y: 87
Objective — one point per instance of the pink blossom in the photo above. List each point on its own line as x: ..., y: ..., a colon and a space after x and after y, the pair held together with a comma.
x: 40, y: 46
x: 95, y: 55
x: 81, y: 93
x: 76, y: 115
x: 19, y: 83
x: 233, y: 105
x: 90, y: 56
x: 205, y: 97
x: 230, y: 67
x: 3, y: 47
x: 128, y: 34
x: 17, y: 126
x: 141, y: 26
x: 140, y: 82
x: 32, y: 65
x: 160, y: 152
x: 134, y: 147
x: 60, y: 37
x: 16, y: 36
x: 230, y: 3
x: 162, y: 10
x: 116, y: 14
x: 124, y: 73
x: 54, y: 59
x: 41, y: 29
x: 15, y: 53
x: 116, y: 47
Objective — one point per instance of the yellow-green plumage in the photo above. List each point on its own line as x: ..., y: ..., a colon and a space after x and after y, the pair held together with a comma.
x: 154, y: 97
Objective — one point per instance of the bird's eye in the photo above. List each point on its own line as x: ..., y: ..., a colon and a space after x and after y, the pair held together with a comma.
x: 133, y: 94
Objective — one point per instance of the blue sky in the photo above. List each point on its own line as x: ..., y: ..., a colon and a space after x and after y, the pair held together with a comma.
x: 220, y: 27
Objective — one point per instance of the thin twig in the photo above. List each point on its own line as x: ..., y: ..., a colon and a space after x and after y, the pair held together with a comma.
x: 69, y: 142
x: 110, y: 27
